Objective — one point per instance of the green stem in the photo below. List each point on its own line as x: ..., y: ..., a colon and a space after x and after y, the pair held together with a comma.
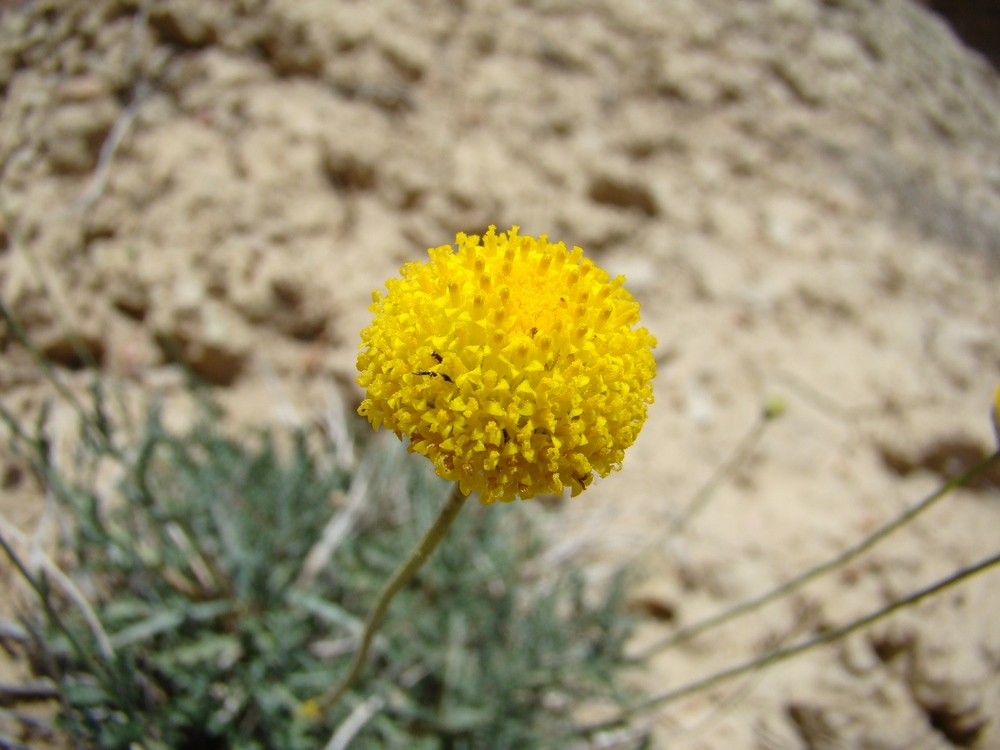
x: 786, y: 653
x: 837, y: 562
x: 735, y: 460
x: 403, y: 575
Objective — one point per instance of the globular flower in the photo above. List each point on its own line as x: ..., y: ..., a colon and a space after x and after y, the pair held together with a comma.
x: 515, y: 365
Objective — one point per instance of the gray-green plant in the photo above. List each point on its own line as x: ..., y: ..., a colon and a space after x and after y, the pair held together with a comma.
x: 209, y: 635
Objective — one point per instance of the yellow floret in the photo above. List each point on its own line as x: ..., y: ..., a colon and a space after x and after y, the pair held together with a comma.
x: 511, y: 363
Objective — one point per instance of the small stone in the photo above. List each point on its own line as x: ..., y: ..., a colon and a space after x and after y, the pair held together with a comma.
x: 801, y: 81
x: 353, y: 148
x: 858, y: 656
x: 189, y: 295
x: 132, y: 353
x: 835, y: 49
x: 622, y: 193
x: 211, y: 340
x: 284, y: 298
x: 292, y: 47
x: 75, y: 349
x: 74, y: 134
x: 692, y: 78
x: 814, y: 726
x: 411, y: 54
x: 81, y: 89
x: 131, y: 299
x: 189, y: 23
x: 123, y: 283
x: 295, y: 311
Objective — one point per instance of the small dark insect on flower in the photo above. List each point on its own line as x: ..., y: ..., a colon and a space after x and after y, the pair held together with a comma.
x: 437, y: 357
x: 533, y: 331
x: 445, y: 378
x: 506, y: 436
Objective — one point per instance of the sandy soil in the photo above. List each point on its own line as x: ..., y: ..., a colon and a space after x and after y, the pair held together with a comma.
x: 804, y: 195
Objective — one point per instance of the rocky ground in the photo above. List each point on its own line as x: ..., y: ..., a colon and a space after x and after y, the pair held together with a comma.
x: 804, y: 195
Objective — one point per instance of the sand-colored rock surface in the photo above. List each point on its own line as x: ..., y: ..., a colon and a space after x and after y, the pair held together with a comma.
x: 803, y: 194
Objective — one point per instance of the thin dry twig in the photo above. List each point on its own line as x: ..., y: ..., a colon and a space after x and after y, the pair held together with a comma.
x: 338, y: 528
x: 783, y: 654
x: 116, y: 136
x: 44, y: 562
x: 355, y: 722
x: 99, y: 180
x: 367, y: 710
x: 335, y: 423
x: 29, y: 692
x: 195, y: 560
x: 833, y: 564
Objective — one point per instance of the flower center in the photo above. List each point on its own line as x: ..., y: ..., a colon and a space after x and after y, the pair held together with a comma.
x: 535, y: 300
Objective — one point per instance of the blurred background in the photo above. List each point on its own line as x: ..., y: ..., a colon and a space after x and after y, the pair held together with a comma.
x: 803, y: 194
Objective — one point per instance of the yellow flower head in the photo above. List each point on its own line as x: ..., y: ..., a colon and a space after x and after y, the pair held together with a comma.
x: 511, y: 363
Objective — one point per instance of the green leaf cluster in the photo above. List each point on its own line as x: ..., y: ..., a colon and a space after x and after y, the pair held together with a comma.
x: 193, y: 563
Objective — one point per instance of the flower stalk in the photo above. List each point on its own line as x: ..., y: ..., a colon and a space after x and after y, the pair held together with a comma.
x: 403, y: 575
